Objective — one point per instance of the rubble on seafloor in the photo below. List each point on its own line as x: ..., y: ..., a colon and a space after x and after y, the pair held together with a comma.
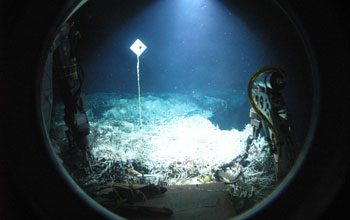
x: 177, y: 144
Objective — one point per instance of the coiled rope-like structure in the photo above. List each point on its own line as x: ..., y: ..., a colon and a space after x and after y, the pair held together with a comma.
x: 259, y: 112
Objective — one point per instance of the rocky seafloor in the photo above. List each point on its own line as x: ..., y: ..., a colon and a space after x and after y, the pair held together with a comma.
x: 177, y: 143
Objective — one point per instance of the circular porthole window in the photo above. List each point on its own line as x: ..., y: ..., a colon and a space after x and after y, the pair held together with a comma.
x: 178, y: 109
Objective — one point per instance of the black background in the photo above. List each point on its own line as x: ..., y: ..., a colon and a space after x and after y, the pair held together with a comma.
x: 29, y: 186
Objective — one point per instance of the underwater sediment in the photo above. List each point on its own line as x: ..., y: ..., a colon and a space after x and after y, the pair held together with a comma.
x: 177, y: 144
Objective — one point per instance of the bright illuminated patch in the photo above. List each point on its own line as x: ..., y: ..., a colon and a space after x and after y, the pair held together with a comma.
x: 138, y: 47
x: 177, y: 145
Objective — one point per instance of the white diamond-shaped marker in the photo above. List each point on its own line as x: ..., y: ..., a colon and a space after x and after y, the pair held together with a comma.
x: 138, y: 47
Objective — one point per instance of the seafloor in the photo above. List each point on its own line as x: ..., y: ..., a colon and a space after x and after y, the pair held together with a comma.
x: 180, y: 142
